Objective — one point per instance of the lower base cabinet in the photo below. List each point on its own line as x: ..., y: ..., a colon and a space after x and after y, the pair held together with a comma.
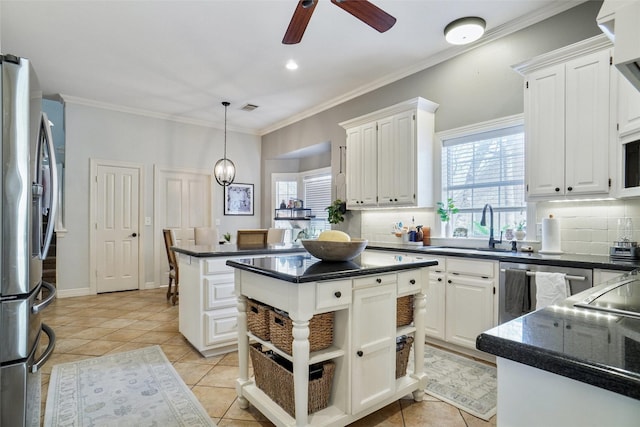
x: 461, y: 300
x: 363, y: 352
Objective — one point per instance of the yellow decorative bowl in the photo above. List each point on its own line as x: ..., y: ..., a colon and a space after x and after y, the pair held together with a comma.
x: 335, y: 251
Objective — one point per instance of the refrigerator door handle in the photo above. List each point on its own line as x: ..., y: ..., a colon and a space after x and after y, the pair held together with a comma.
x: 36, y: 308
x: 48, y: 351
x: 46, y: 137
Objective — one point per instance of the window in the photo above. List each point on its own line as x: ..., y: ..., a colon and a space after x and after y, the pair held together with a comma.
x: 484, y: 166
x: 317, y: 196
x: 314, y: 188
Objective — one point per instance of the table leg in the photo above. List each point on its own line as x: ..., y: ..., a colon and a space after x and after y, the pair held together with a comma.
x: 419, y: 311
x: 243, y: 351
x: 301, y: 369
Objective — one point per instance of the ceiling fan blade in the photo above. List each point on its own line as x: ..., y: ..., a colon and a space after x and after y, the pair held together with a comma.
x: 368, y: 13
x: 299, y: 21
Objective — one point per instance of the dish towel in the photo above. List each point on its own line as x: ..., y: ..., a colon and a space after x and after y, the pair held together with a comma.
x: 551, y: 288
x: 517, y: 289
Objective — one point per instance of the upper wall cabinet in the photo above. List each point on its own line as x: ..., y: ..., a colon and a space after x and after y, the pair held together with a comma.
x: 568, y: 121
x: 390, y: 156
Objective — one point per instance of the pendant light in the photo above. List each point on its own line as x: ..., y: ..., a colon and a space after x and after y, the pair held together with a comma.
x: 225, y: 170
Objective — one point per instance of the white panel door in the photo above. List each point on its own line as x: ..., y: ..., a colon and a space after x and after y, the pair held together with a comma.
x: 587, y: 124
x: 183, y: 202
x: 545, y: 131
x: 116, y: 228
x: 374, y: 345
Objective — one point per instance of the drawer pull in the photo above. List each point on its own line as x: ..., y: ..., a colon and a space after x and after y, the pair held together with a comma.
x: 359, y: 353
x: 338, y: 294
x: 379, y: 280
x: 412, y: 281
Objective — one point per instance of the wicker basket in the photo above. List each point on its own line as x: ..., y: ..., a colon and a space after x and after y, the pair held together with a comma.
x: 404, y: 310
x: 277, y: 382
x: 320, y: 331
x: 402, y: 358
x: 258, y: 319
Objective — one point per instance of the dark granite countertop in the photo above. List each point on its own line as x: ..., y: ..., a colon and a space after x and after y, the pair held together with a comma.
x: 595, y: 348
x: 227, y: 249
x: 305, y: 268
x: 563, y: 260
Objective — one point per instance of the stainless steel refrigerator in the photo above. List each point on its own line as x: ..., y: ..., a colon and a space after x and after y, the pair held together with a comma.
x: 27, y: 213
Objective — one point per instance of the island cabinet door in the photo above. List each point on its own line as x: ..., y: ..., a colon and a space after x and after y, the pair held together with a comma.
x: 374, y: 345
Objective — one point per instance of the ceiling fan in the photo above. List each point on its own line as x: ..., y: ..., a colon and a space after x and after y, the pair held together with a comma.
x: 365, y: 11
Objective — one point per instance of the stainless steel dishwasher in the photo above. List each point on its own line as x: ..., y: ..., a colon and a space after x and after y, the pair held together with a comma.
x: 579, y: 280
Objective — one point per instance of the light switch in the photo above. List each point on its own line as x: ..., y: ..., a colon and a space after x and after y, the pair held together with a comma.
x: 147, y: 220
x: 217, y: 221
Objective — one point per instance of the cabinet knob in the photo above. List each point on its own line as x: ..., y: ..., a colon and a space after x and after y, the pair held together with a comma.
x: 412, y: 281
x: 391, y: 200
x: 439, y: 279
x: 359, y: 353
x: 557, y: 189
x: 338, y: 294
x: 568, y: 326
x: 378, y: 280
x: 555, y: 324
x: 569, y: 188
x: 449, y: 281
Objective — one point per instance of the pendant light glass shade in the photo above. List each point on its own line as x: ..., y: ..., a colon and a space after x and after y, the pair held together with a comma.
x: 224, y: 169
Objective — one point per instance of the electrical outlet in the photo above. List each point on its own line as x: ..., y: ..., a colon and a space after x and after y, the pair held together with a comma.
x: 147, y: 220
x: 538, y: 231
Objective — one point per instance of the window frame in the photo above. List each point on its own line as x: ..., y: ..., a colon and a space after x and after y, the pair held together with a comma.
x: 464, y: 132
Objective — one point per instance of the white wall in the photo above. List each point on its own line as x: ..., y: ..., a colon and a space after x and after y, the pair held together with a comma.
x: 112, y: 135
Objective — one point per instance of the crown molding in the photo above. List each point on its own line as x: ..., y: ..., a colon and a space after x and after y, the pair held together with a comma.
x: 146, y: 113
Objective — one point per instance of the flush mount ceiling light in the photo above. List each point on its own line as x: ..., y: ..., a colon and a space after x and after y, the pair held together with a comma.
x: 225, y: 170
x: 464, y: 30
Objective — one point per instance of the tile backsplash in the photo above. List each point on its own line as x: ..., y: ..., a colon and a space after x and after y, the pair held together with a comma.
x: 586, y: 227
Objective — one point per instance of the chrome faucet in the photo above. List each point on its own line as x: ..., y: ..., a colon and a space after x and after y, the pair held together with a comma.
x: 483, y: 222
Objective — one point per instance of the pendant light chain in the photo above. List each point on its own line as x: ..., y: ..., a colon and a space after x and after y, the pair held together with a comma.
x: 224, y: 169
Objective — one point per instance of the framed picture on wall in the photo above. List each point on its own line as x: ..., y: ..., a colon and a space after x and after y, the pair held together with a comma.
x: 238, y: 199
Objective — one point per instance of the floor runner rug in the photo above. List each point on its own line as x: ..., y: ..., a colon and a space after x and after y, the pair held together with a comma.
x: 463, y: 382
x: 134, y: 388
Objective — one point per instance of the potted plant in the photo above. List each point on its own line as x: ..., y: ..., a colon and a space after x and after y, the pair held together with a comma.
x: 521, y: 230
x: 336, y: 211
x: 446, y: 211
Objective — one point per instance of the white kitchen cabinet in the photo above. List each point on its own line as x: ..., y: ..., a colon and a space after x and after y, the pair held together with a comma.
x: 436, y: 301
x: 374, y: 344
x: 461, y: 302
x: 390, y: 156
x: 568, y: 124
x: 364, y: 342
x: 628, y: 107
x: 208, y: 314
x: 362, y: 160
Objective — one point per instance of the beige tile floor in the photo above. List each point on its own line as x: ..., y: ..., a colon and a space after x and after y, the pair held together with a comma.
x: 92, y: 326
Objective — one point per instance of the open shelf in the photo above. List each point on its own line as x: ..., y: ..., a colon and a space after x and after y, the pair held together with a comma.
x: 314, y: 357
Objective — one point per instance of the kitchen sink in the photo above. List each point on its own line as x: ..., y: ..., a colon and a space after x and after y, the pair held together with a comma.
x: 467, y: 250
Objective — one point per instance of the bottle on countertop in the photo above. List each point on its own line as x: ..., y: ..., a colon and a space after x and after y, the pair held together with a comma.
x: 419, y: 234
x: 426, y: 236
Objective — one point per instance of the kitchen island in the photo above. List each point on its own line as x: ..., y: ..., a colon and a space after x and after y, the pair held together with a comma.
x: 567, y: 365
x: 207, y: 309
x: 362, y: 295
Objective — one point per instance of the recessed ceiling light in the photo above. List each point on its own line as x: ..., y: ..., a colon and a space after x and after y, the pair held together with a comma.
x: 464, y: 30
x: 291, y: 65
